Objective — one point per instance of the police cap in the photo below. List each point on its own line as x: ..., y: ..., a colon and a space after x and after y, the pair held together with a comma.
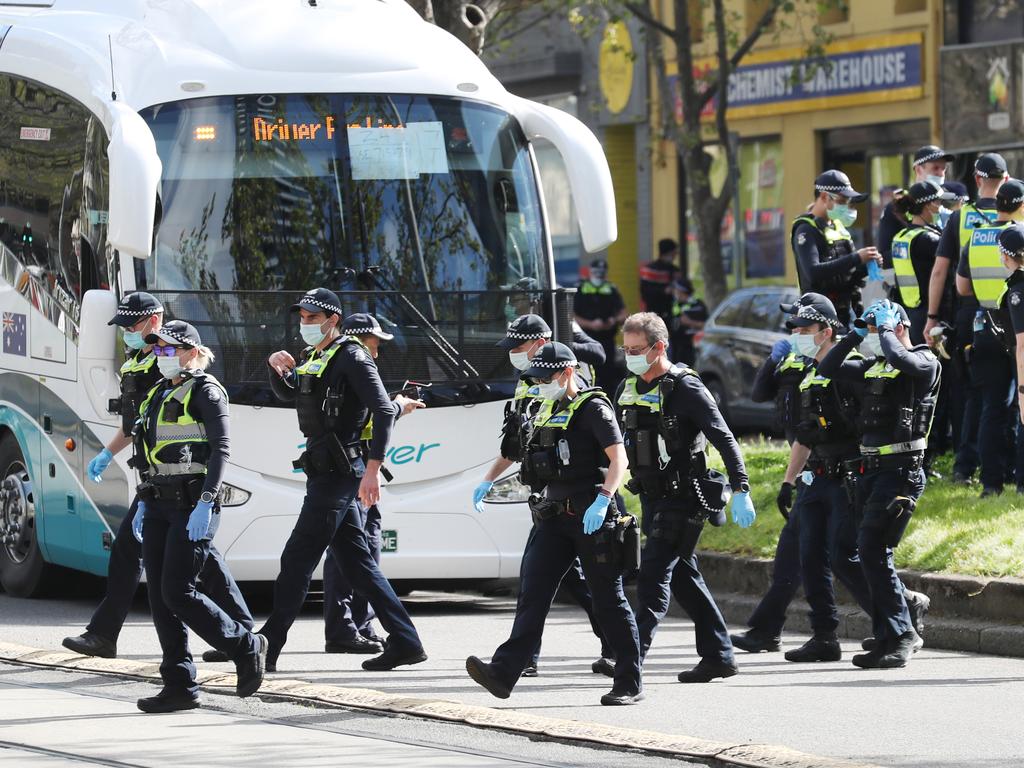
x: 930, y: 154
x: 1011, y: 241
x: 809, y: 309
x: 552, y: 358
x: 990, y: 166
x: 1010, y: 196
x: 838, y: 183
x: 134, y: 307
x: 958, y: 190
x: 176, y: 333
x: 319, y: 300
x: 362, y: 324
x: 525, y: 328
x: 928, y: 191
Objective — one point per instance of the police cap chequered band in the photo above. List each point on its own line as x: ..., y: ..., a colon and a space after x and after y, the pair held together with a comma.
x: 321, y: 304
x: 807, y: 312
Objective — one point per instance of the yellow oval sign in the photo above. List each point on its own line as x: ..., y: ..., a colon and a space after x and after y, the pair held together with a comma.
x: 615, y: 66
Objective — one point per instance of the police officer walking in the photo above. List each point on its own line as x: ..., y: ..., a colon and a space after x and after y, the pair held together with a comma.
x: 668, y: 416
x: 600, y: 310
x: 182, y: 448
x: 524, y: 338
x: 980, y: 277
x: 930, y: 163
x: 826, y: 260
x: 336, y: 389
x: 140, y: 314
x: 1011, y: 310
x: 901, y: 382
x: 574, y: 461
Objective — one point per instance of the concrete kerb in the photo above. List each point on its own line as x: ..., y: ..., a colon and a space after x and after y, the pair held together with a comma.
x: 718, y: 754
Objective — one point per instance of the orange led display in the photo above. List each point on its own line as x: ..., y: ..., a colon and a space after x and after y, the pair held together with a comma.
x: 264, y: 130
x: 205, y: 133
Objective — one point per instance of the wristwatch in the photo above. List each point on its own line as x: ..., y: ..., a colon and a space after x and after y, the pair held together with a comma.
x: 744, y: 488
x: 207, y: 497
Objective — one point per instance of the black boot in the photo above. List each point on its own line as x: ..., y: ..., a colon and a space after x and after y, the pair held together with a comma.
x: 484, y: 676
x: 918, y: 604
x: 249, y: 671
x: 394, y: 656
x: 616, y: 698
x: 168, y: 701
x: 91, y: 644
x: 357, y: 644
x: 706, y: 671
x: 818, y: 648
x: 603, y: 666
x: 756, y: 641
x: 215, y: 656
x: 900, y: 653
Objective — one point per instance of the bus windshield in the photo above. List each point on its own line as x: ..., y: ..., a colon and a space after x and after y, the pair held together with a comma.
x: 422, y: 209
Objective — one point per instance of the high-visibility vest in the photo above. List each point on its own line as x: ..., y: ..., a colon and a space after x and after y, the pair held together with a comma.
x: 903, y: 266
x: 972, y: 217
x: 988, y: 275
x: 170, y: 452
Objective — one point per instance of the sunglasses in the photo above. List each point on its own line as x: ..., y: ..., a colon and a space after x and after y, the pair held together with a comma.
x: 167, y: 351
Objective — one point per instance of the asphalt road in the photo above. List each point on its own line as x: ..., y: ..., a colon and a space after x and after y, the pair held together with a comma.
x: 944, y: 710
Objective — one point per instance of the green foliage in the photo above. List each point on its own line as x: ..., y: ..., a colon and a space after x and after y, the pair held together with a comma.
x: 952, y: 531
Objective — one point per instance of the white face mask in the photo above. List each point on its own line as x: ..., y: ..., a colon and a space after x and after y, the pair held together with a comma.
x: 940, y: 180
x: 170, y: 367
x: 552, y: 390
x: 804, y: 344
x: 520, y: 360
x: 872, y: 345
x: 311, y: 333
x: 637, y: 364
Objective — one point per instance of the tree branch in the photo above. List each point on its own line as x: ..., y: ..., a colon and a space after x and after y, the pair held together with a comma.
x: 742, y: 50
x: 648, y: 18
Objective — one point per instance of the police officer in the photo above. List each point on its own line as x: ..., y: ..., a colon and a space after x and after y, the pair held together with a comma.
x: 182, y: 447
x: 826, y: 260
x: 689, y: 314
x: 600, y: 310
x: 656, y: 279
x: 901, y: 382
x: 980, y: 277
x: 930, y: 164
x: 573, y: 462
x: 779, y: 379
x: 668, y: 416
x: 336, y: 389
x: 1011, y: 308
x: 348, y: 615
x: 140, y: 314
x: 826, y: 441
x: 525, y: 337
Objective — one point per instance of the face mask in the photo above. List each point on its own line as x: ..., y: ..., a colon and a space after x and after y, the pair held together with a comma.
x: 637, y: 364
x: 872, y: 344
x: 844, y: 214
x: 597, y: 281
x: 520, y: 360
x: 170, y: 367
x: 552, y: 390
x: 311, y: 333
x: 133, y: 339
x: 803, y: 344
x: 936, y: 179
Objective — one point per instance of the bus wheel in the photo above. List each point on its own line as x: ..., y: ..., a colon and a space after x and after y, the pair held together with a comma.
x: 22, y: 569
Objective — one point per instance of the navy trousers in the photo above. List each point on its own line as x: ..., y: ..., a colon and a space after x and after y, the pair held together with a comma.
x: 889, y: 614
x: 663, y: 571
x: 992, y: 369
x: 125, y: 570
x: 348, y: 614
x: 556, y: 544
x: 828, y: 545
x: 769, y: 616
x: 173, y: 564
x: 330, y: 517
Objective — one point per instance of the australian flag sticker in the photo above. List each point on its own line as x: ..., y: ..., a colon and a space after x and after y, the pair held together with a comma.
x: 15, y: 334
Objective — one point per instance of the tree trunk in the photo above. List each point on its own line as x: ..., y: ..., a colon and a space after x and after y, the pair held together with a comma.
x: 707, y: 212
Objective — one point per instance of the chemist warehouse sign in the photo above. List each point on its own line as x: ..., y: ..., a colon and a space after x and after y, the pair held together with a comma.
x: 865, y: 71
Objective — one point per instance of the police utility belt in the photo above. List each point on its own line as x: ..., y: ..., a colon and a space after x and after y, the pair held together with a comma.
x: 907, y: 455
x: 328, y: 457
x: 181, y: 490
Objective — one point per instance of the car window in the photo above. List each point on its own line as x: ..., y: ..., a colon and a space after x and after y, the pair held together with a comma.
x: 733, y: 310
x: 764, y: 313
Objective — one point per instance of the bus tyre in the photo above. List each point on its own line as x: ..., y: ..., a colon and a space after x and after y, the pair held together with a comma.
x: 22, y: 569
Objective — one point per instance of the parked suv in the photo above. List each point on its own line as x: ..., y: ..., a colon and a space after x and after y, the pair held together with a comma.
x: 734, y: 343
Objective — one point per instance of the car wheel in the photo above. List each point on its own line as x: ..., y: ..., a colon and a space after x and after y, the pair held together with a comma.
x: 718, y: 392
x: 22, y: 568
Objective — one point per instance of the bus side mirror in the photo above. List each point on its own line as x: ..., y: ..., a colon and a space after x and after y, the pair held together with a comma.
x: 135, y: 171
x: 589, y: 177
x: 96, y: 339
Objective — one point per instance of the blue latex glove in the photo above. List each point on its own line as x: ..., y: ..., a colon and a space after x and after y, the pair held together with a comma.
x: 780, y: 349
x: 862, y: 332
x: 98, y: 464
x: 140, y: 515
x: 199, y: 520
x: 478, y: 494
x: 594, y: 517
x: 887, y: 316
x: 743, y: 510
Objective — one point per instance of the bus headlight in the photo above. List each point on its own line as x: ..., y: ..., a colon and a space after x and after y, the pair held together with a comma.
x: 508, y: 490
x: 233, y: 496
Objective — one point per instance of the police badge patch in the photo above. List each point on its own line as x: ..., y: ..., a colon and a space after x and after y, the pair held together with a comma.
x: 1015, y: 299
x: 801, y: 239
x: 361, y: 356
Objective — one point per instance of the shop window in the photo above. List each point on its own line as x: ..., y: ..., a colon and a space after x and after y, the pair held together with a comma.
x: 910, y: 6
x: 53, y: 196
x: 833, y: 11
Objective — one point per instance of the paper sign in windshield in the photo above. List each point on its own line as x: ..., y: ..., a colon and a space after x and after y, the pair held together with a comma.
x: 397, y: 153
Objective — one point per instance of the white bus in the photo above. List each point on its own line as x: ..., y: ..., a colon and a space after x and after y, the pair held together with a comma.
x: 226, y: 156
